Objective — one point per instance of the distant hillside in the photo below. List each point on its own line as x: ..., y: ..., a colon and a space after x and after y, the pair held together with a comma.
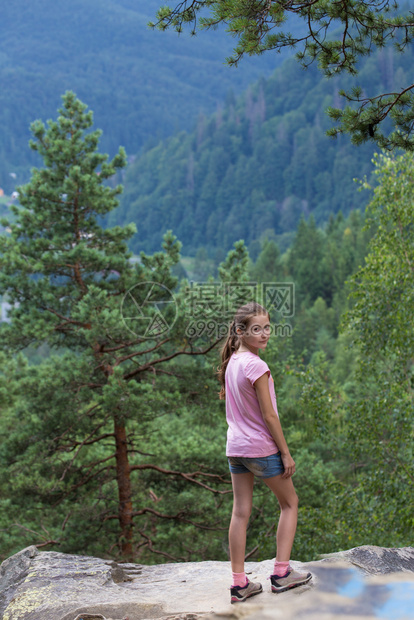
x: 141, y: 84
x: 260, y: 162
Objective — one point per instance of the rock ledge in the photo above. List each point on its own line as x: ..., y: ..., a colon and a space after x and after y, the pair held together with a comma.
x: 363, y: 582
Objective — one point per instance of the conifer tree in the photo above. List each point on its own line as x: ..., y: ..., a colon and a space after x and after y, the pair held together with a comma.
x: 81, y: 416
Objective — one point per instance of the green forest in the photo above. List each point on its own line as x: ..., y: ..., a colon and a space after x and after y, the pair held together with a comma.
x: 142, y: 85
x: 258, y: 165
x: 114, y: 436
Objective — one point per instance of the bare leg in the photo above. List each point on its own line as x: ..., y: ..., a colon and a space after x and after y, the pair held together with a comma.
x: 242, y: 507
x: 288, y: 500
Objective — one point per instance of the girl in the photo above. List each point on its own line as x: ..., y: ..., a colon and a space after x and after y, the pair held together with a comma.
x: 256, y: 447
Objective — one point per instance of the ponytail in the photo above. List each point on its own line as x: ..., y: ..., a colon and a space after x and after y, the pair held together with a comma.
x: 230, y: 346
x: 241, y: 321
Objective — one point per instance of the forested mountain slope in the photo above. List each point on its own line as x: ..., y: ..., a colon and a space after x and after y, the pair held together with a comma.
x: 141, y: 84
x: 254, y: 167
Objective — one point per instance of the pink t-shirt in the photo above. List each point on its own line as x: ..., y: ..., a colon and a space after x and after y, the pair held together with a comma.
x: 247, y: 434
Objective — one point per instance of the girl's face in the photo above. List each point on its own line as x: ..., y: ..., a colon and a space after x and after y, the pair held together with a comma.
x: 257, y: 333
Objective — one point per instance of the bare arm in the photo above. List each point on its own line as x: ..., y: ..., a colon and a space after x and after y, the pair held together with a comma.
x: 271, y: 419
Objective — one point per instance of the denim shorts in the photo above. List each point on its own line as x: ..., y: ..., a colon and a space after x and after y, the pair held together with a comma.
x: 263, y: 467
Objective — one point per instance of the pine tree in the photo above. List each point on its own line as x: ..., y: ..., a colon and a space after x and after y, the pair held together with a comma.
x: 81, y: 418
x: 305, y: 262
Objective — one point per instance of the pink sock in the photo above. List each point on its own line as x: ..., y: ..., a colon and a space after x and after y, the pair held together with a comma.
x: 239, y: 579
x: 281, y: 568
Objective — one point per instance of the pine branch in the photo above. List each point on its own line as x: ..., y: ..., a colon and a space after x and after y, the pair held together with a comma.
x: 167, y: 358
x: 190, y: 477
x: 148, y: 543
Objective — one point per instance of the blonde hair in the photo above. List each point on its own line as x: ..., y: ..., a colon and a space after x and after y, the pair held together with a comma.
x: 241, y: 321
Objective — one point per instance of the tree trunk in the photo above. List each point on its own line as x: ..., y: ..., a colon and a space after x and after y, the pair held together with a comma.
x: 123, y: 477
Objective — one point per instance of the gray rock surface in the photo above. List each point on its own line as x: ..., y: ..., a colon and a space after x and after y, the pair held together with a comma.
x: 378, y: 560
x: 361, y: 583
